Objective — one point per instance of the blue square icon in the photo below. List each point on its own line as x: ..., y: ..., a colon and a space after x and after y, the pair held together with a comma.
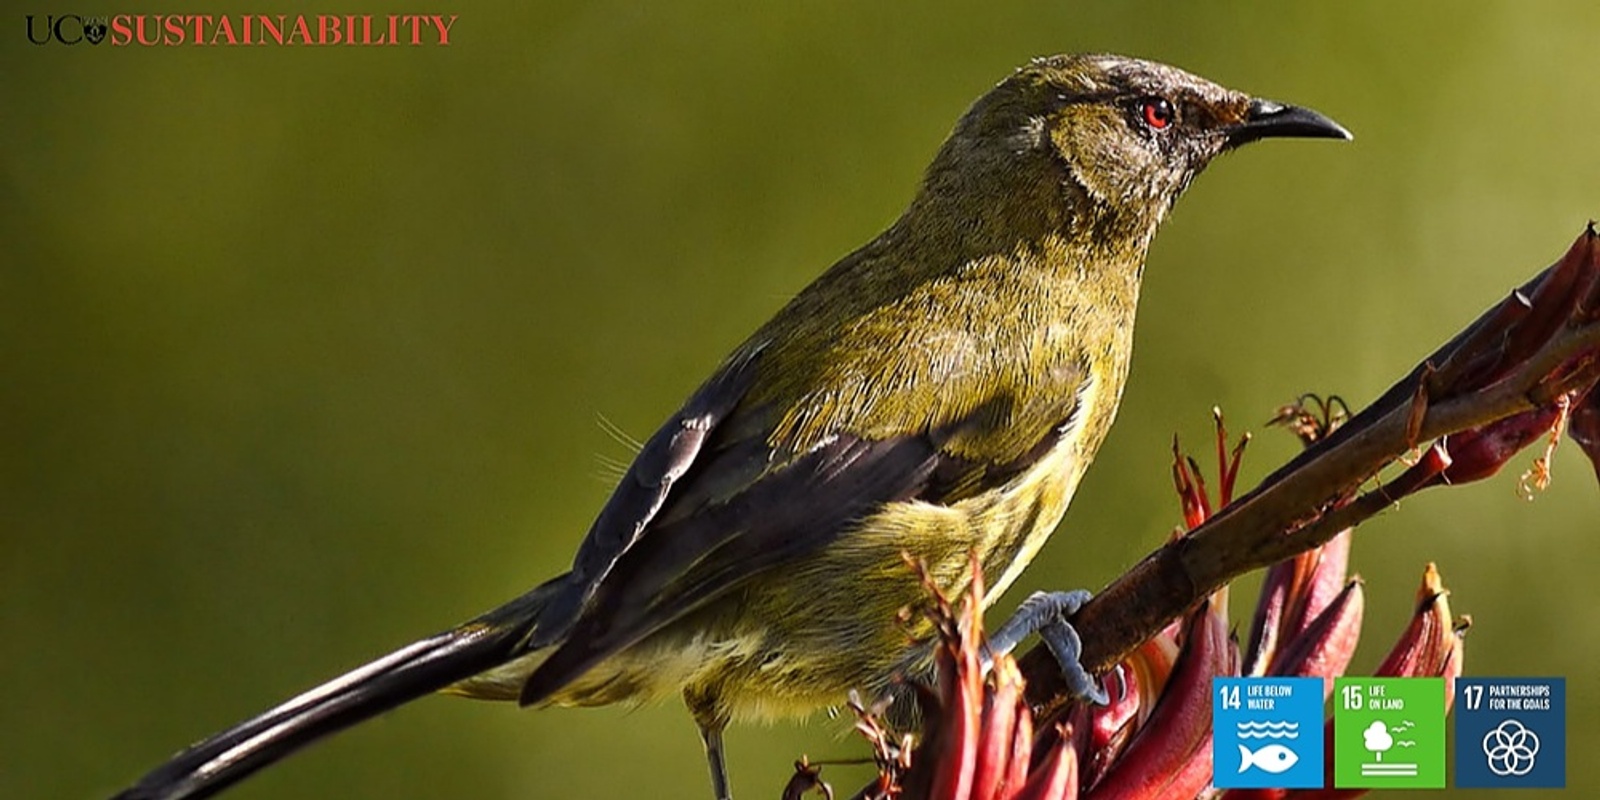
x: 1511, y: 733
x: 1266, y: 733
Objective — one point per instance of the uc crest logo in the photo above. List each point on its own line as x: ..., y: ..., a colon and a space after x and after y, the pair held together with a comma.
x: 67, y: 29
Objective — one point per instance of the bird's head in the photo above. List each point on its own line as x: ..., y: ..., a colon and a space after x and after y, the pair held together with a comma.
x: 1107, y: 142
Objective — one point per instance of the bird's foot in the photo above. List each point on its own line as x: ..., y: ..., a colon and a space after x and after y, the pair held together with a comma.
x: 1045, y: 613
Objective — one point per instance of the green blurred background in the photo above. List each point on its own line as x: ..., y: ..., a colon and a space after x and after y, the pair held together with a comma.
x: 302, y: 351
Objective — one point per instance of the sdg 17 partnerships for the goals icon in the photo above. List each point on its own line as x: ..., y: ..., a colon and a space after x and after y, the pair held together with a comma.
x: 1511, y: 733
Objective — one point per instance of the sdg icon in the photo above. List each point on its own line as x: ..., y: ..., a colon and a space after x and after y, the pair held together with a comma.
x: 1511, y: 733
x: 1266, y: 733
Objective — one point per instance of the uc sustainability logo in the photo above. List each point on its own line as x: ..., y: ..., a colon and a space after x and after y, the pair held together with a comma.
x: 281, y: 30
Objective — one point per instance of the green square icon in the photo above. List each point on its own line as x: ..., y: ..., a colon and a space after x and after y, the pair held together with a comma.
x: 1388, y: 733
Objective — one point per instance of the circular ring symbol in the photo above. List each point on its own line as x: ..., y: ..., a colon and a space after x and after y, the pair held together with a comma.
x: 1511, y: 748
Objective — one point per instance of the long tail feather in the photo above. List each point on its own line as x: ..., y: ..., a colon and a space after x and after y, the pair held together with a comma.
x: 417, y: 669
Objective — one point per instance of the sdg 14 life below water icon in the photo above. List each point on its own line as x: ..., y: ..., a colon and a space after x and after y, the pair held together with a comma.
x: 1266, y: 733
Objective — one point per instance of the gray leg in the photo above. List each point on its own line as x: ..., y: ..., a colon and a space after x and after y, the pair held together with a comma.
x: 712, y: 736
x: 710, y: 717
x: 1046, y: 613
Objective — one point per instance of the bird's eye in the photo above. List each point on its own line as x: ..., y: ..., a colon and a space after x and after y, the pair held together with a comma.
x: 1157, y: 113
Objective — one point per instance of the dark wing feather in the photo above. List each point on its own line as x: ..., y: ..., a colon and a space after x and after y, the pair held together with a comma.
x: 661, y: 463
x: 689, y: 559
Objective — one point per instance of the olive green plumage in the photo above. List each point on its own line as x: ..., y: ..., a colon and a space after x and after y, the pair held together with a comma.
x: 938, y: 392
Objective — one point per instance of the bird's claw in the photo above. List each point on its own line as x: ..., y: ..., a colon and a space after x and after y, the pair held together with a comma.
x: 1045, y: 613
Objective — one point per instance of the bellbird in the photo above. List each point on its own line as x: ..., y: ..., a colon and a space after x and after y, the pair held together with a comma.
x: 938, y: 393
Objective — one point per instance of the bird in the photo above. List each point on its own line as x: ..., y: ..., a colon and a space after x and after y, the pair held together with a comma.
x: 934, y: 395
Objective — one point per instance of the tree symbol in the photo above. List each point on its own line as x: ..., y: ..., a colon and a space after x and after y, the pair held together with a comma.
x: 1378, y: 739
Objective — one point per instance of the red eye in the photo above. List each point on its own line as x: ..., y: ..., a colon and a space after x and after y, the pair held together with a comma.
x: 1158, y: 113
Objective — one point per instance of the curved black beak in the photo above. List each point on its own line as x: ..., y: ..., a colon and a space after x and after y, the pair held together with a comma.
x: 1267, y: 119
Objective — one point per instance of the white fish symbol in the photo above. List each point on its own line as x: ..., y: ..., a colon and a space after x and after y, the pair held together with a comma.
x: 1273, y: 758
